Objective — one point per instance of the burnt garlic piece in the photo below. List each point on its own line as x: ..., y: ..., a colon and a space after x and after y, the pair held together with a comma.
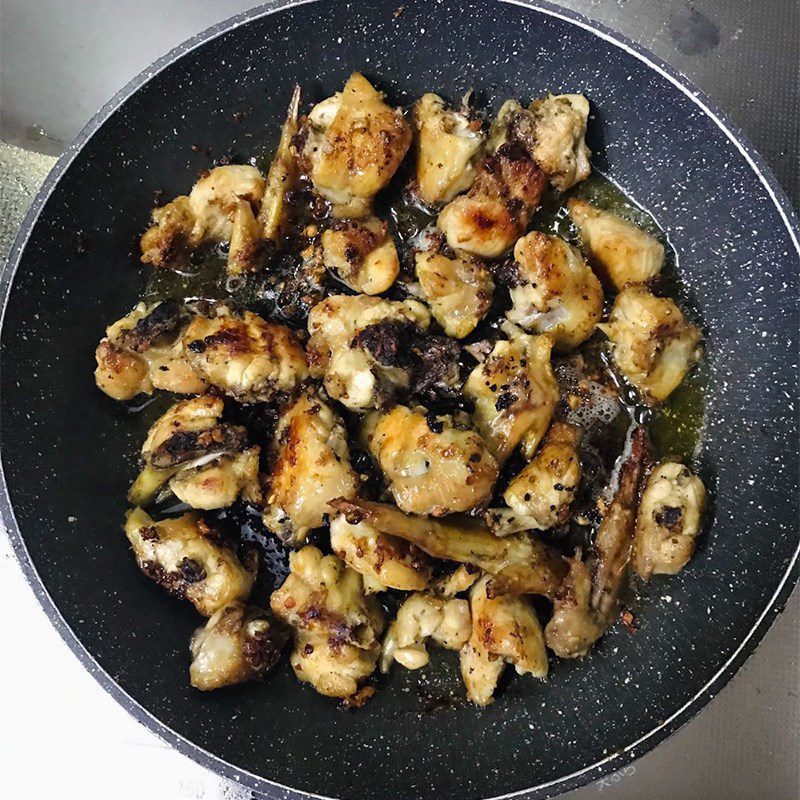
x: 238, y: 644
x: 554, y: 291
x: 362, y: 254
x: 384, y: 562
x: 448, y: 143
x: 205, y: 216
x: 336, y: 626
x: 621, y: 251
x: 505, y: 630
x: 207, y: 463
x: 309, y: 465
x: 669, y: 519
x: 540, y: 496
x: 143, y: 351
x: 423, y: 617
x: 351, y: 145
x: 190, y: 560
x: 652, y: 344
x: 518, y: 564
x: 515, y: 392
x: 246, y: 357
x: 433, y: 464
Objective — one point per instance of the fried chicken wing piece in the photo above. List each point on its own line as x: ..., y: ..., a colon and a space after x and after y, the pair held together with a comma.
x: 651, y: 342
x: 433, y: 464
x: 246, y: 250
x: 620, y: 250
x: 518, y: 564
x: 554, y: 291
x: 669, y: 520
x: 238, y: 644
x: 309, y: 466
x: 190, y: 560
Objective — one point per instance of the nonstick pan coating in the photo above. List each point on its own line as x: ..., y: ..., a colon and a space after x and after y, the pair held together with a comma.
x: 67, y: 450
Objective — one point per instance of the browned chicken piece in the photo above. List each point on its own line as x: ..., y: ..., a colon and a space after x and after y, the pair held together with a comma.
x: 669, y: 520
x: 337, y: 627
x: 505, y: 630
x: 309, y: 466
x: 246, y: 251
x: 246, y: 357
x: 651, y: 342
x: 238, y: 643
x: 423, y: 617
x: 554, y: 291
x: 448, y: 144
x: 190, y: 560
x: 621, y: 251
x: 433, y: 464
x: 515, y: 392
x: 143, y: 352
x: 362, y: 254
x: 172, y: 236
x: 352, y: 145
x: 518, y: 564
x: 455, y: 582
x: 540, y: 496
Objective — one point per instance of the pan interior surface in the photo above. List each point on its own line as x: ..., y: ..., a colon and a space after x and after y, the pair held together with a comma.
x: 68, y: 451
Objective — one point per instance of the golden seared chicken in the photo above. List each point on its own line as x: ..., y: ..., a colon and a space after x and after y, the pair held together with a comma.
x: 423, y: 617
x: 433, y: 464
x: 143, y: 352
x: 457, y: 581
x: 651, y: 342
x: 206, y: 462
x: 352, y: 374
x: 362, y: 254
x: 540, y: 496
x: 514, y: 391
x: 621, y: 251
x: 353, y: 144
x: 246, y: 249
x: 238, y: 644
x: 206, y: 215
x: 505, y: 630
x: 384, y: 562
x: 336, y: 626
x: 190, y: 560
x: 309, y: 466
x: 518, y: 564
x: 246, y: 357
x: 458, y: 288
x: 554, y: 291
x: 448, y: 144
x: 670, y: 513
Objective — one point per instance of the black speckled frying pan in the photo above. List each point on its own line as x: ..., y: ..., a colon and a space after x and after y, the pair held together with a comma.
x: 66, y: 448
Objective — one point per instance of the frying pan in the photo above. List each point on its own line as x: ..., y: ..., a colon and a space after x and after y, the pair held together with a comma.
x: 67, y: 450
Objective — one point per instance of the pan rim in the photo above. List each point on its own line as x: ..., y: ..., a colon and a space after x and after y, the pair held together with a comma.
x: 196, y: 752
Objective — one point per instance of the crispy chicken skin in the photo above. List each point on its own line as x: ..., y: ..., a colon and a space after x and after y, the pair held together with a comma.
x: 189, y: 560
x: 651, y: 342
x: 354, y: 143
x: 458, y: 289
x: 670, y: 514
x: 514, y: 391
x: 518, y: 564
x: 336, y: 626
x: 448, y: 144
x: 384, y: 562
x: 142, y: 352
x: 362, y: 254
x: 540, y: 496
x: 309, y: 466
x: 238, y: 643
x: 423, y: 617
x: 622, y: 252
x: 245, y: 357
x: 433, y: 464
x: 505, y: 630
x: 554, y: 290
